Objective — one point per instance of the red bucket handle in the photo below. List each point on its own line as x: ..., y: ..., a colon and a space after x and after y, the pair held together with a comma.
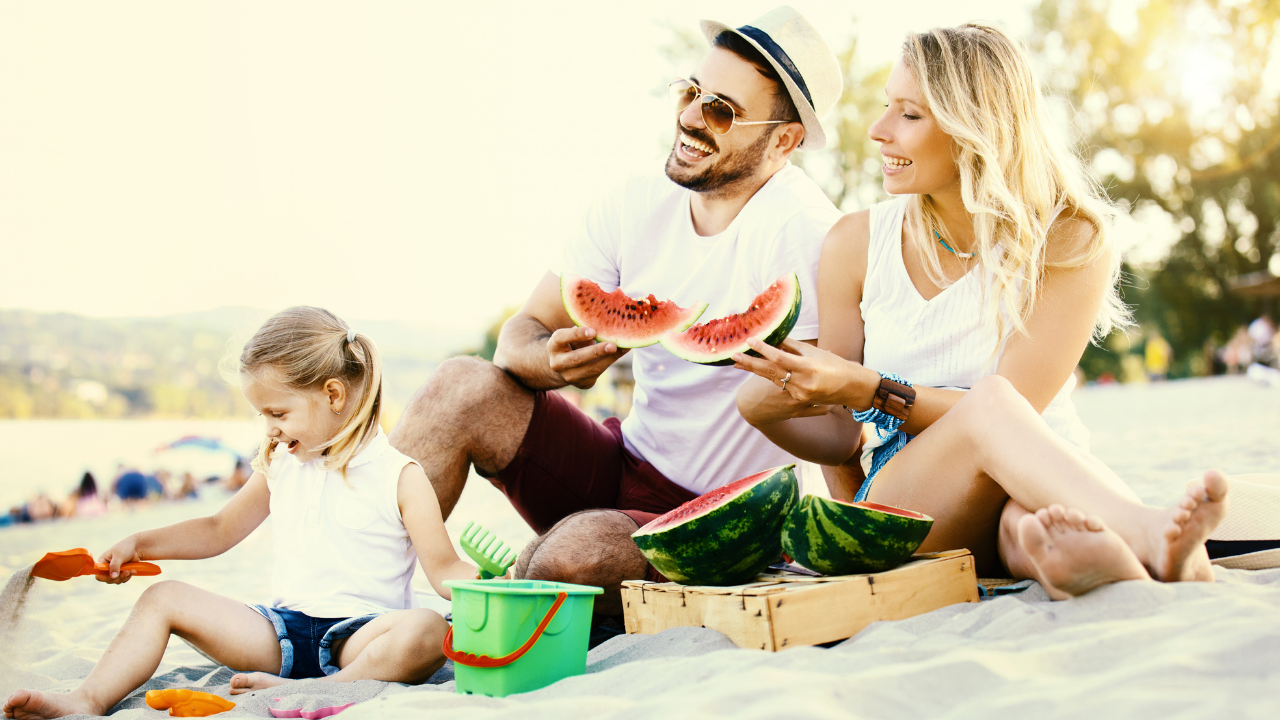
x: 484, y: 661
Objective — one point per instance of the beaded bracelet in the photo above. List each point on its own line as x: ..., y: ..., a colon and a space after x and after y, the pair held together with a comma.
x: 885, y: 423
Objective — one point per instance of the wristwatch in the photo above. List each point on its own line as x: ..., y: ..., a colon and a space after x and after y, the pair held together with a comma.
x: 894, y: 398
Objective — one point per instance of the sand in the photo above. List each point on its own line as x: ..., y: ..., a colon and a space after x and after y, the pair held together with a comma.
x: 1138, y: 649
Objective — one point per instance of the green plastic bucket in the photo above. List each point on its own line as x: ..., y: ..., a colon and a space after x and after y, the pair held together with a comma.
x: 506, y: 638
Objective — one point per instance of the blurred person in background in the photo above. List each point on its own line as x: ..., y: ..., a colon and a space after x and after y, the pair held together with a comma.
x: 1156, y: 356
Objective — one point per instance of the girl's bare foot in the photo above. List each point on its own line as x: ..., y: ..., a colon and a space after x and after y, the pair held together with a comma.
x: 1074, y: 554
x: 34, y: 704
x: 248, y: 682
x: 1180, y: 553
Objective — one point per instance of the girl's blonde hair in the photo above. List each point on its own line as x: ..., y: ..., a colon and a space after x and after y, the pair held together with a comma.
x: 307, y: 346
x: 1017, y: 173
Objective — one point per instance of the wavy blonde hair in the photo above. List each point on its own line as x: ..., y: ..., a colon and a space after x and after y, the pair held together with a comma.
x: 307, y: 346
x: 1017, y: 173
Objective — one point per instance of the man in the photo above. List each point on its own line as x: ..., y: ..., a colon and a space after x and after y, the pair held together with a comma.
x: 730, y: 216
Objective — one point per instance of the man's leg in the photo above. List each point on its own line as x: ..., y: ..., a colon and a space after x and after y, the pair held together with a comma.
x: 400, y: 646
x: 227, y: 630
x: 592, y: 547
x: 467, y: 413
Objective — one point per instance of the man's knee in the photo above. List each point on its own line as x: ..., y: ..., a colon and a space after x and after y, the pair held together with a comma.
x: 461, y: 391
x: 593, y: 547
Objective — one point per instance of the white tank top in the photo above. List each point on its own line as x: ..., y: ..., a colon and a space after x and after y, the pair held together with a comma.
x: 341, y: 547
x: 946, y: 342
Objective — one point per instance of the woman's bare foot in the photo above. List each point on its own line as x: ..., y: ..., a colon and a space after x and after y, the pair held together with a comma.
x: 248, y: 682
x: 1180, y: 554
x: 34, y: 704
x: 1074, y: 554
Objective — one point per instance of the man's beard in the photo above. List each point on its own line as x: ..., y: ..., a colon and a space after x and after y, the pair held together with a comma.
x: 728, y: 171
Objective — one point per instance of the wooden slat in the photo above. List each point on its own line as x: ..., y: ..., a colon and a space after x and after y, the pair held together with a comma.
x: 789, y: 610
x: 835, y: 611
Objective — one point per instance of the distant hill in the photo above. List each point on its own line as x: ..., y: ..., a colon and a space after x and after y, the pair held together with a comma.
x: 58, y: 365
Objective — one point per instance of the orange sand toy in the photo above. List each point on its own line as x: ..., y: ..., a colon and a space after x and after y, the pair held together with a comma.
x: 187, y: 703
x: 67, y: 564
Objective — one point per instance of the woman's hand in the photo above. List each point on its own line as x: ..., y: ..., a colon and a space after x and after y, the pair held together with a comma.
x: 122, y: 552
x: 761, y: 402
x: 812, y: 376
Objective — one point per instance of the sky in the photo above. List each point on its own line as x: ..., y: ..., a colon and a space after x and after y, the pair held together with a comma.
x: 386, y: 160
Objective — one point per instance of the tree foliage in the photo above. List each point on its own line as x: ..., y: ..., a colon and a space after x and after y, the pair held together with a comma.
x: 1177, y: 108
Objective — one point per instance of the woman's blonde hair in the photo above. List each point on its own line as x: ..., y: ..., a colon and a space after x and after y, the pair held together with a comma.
x: 1017, y: 173
x: 308, y: 346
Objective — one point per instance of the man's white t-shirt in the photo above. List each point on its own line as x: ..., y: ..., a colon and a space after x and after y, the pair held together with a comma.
x: 684, y: 418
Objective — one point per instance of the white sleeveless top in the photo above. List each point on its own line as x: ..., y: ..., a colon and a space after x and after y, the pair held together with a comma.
x: 946, y: 342
x: 341, y: 548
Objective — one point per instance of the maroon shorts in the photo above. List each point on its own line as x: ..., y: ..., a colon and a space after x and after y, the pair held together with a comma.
x: 568, y: 463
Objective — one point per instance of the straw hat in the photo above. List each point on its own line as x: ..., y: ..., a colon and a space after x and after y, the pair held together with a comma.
x: 808, y: 68
x: 1253, y: 514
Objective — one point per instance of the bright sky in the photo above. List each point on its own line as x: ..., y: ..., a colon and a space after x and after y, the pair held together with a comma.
x: 387, y: 160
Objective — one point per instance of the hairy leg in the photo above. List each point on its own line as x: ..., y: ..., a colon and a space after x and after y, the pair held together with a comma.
x: 401, y: 646
x: 1073, y: 553
x: 593, y: 547
x: 467, y: 413
x: 993, y: 446
x: 225, y: 629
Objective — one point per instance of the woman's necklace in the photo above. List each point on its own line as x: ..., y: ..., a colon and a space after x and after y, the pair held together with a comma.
x: 962, y: 256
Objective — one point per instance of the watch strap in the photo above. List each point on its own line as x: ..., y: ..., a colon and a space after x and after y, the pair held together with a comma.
x: 894, y: 398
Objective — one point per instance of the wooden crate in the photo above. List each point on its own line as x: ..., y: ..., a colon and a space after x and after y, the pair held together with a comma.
x: 783, y: 609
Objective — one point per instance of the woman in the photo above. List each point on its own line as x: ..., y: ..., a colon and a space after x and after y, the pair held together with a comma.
x: 990, y: 272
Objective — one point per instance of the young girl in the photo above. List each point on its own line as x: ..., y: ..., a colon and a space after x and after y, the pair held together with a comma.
x: 350, y: 517
x: 952, y: 318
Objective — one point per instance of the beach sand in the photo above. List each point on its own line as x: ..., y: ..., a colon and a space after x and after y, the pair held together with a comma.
x: 1138, y: 649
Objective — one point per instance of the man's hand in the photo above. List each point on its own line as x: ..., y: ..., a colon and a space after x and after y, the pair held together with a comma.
x: 576, y: 356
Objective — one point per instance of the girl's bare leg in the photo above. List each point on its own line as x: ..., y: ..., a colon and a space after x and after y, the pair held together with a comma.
x: 993, y: 446
x: 401, y: 646
x: 228, y: 630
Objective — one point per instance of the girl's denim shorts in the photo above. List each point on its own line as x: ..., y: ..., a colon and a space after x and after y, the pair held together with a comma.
x: 306, y: 643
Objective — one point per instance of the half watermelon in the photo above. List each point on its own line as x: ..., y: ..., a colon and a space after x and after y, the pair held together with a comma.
x: 726, y: 536
x: 620, y: 319
x: 769, y: 318
x: 840, y: 538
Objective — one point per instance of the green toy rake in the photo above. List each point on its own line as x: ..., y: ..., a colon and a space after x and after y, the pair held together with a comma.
x: 487, y: 551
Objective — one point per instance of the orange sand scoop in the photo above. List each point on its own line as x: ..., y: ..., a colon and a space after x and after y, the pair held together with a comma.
x: 182, y: 702
x: 67, y: 564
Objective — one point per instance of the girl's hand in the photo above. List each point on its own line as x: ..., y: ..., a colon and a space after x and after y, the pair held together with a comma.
x: 760, y: 402
x: 122, y: 552
x: 817, y: 377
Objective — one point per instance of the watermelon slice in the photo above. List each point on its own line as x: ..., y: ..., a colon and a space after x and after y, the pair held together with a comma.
x: 622, y: 320
x: 726, y: 536
x: 839, y: 538
x: 769, y: 318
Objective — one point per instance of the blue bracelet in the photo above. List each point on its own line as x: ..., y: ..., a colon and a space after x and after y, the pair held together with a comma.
x: 885, y: 423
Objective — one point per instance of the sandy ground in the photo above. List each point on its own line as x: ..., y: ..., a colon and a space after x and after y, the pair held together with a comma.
x: 1131, y: 650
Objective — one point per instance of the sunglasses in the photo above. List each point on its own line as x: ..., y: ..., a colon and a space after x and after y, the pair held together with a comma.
x: 717, y: 114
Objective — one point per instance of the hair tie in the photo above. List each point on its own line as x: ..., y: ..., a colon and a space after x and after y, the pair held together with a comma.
x: 351, y: 335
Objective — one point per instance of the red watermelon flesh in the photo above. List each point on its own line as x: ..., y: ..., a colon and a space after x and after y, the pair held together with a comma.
x: 726, y: 536
x: 769, y: 319
x: 620, y: 319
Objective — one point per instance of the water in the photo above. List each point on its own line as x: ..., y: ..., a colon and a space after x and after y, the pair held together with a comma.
x: 50, y: 455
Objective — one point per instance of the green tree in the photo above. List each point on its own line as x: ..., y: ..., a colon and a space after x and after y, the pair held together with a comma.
x: 1177, y: 107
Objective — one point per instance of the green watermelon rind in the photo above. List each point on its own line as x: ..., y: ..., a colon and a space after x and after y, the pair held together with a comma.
x: 567, y: 300
x: 836, y: 538
x: 730, y: 544
x: 774, y: 338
